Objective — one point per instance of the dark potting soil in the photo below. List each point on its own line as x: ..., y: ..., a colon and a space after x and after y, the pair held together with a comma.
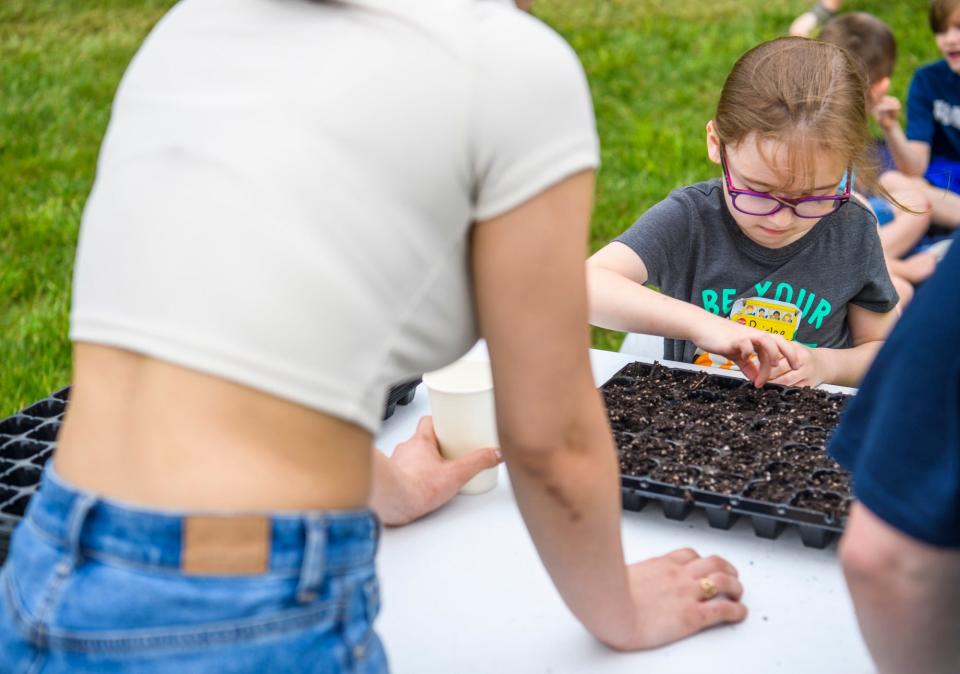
x: 721, y: 435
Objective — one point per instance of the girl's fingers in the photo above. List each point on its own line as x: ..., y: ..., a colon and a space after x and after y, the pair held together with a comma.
x: 783, y: 351
x: 763, y: 370
x: 779, y: 371
x: 741, y: 353
x: 792, y: 354
x: 749, y: 369
x: 792, y: 378
x: 771, y: 354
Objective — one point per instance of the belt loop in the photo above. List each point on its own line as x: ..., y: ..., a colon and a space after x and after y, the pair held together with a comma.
x: 313, y: 566
x: 75, y: 521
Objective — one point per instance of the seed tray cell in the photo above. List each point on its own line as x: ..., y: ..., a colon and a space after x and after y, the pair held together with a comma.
x: 696, y: 440
x: 28, y: 438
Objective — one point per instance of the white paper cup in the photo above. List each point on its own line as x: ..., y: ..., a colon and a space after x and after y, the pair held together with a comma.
x: 461, y: 401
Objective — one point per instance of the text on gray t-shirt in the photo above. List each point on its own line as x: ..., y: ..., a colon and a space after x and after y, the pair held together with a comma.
x: 694, y: 251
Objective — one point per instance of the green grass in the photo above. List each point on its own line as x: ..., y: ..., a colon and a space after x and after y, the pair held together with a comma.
x: 655, y: 70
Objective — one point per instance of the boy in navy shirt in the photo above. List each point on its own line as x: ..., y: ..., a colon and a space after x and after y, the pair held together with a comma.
x: 900, y: 439
x: 928, y: 154
x: 903, y: 234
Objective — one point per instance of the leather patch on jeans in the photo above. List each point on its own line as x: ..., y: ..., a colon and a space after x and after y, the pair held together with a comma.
x: 225, y: 545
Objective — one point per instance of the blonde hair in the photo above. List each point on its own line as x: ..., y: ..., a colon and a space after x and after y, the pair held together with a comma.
x: 807, y: 95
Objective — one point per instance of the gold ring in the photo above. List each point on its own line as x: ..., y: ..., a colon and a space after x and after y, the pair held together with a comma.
x: 708, y: 588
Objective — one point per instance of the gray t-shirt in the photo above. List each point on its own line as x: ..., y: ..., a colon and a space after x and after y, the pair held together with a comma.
x: 694, y: 251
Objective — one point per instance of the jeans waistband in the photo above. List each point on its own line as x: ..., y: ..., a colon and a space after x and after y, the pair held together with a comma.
x: 95, y: 526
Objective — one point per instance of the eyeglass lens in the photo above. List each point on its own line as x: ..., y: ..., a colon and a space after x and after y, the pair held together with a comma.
x: 757, y: 205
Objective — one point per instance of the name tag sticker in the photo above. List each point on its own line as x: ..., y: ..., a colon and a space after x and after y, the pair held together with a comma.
x: 779, y: 318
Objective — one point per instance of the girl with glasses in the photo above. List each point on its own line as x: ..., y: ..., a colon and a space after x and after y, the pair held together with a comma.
x: 790, y: 136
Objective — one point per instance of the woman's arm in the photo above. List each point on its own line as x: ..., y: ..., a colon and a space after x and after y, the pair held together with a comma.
x: 531, y: 298
x: 619, y: 301
x: 906, y: 594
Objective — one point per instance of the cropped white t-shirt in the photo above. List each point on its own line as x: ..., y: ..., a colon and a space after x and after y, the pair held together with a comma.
x: 285, y: 191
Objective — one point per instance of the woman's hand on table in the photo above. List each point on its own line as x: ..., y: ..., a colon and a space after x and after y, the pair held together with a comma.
x: 672, y: 597
x: 417, y: 480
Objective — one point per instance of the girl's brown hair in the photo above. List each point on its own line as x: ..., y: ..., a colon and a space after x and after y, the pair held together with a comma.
x: 807, y: 95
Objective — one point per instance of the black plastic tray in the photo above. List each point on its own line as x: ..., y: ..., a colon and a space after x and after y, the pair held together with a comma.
x: 401, y: 394
x: 816, y: 529
x: 28, y: 438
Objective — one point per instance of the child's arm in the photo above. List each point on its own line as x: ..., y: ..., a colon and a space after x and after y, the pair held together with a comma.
x: 619, y: 301
x: 915, y: 269
x: 843, y: 367
x: 911, y: 156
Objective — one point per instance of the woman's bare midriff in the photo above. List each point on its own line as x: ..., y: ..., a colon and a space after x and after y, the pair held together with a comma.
x: 154, y: 434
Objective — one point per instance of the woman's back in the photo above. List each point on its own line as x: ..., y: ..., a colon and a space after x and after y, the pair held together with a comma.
x: 283, y: 201
x: 281, y: 191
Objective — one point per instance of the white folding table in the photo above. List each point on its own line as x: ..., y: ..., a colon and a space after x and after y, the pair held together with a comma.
x: 464, y: 591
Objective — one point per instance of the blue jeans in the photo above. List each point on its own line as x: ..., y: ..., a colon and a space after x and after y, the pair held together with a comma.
x: 91, y: 585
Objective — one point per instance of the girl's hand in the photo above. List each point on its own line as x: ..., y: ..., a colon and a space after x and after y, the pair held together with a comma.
x: 417, y: 480
x: 672, y: 595
x: 754, y: 351
x: 887, y: 112
x: 811, y: 370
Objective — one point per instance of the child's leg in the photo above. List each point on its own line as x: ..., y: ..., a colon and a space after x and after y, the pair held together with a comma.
x: 944, y: 204
x: 810, y: 20
x: 901, y: 234
x: 914, y: 270
x: 903, y: 286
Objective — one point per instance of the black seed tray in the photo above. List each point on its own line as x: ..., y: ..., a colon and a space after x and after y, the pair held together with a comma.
x: 401, y: 394
x: 28, y: 438
x: 743, y: 452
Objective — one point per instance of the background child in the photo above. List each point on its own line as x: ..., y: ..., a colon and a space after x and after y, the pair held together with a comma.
x: 805, y: 24
x: 871, y: 42
x: 927, y: 156
x: 789, y: 133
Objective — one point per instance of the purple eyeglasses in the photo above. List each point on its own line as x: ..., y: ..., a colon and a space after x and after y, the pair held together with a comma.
x: 763, y: 203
